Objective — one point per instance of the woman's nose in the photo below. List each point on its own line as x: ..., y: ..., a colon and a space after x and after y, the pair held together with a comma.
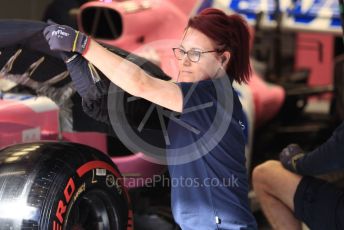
x: 185, y: 60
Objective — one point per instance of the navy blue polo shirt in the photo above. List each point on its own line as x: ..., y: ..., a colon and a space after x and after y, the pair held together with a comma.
x: 209, y: 183
x: 328, y: 157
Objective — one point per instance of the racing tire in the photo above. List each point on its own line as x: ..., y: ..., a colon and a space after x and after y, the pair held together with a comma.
x: 48, y: 185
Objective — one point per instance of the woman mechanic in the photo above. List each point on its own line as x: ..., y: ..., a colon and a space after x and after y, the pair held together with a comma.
x: 214, y: 46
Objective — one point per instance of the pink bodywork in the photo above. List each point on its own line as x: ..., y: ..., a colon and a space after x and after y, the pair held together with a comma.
x: 316, y: 52
x: 37, y: 118
x: 267, y: 98
x: 24, y: 120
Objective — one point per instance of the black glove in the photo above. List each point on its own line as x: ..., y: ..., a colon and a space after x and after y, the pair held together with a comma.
x: 290, y: 155
x: 65, y: 38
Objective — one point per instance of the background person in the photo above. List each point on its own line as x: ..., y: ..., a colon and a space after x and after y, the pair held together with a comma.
x: 289, y: 192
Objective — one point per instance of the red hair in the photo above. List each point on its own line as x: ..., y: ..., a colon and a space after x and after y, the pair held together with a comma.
x: 229, y: 32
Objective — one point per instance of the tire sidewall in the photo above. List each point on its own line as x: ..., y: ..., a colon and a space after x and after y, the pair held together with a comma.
x: 75, y: 187
x: 64, y: 176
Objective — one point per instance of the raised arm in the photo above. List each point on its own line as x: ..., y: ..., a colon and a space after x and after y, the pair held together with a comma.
x: 125, y: 74
x: 132, y: 79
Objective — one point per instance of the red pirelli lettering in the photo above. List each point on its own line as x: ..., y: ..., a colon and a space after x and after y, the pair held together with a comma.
x: 61, y: 209
x: 69, y: 190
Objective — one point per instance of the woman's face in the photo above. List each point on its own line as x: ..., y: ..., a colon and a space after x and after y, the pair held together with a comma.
x: 208, y: 65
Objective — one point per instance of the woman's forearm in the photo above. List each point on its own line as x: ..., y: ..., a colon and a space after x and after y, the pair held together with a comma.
x: 120, y: 71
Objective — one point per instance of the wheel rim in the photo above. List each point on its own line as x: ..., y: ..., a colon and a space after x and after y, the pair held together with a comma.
x: 94, y: 210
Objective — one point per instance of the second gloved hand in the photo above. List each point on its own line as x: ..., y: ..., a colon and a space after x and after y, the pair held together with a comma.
x: 290, y: 155
x: 65, y: 38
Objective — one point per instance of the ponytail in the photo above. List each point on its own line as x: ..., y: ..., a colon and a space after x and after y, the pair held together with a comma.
x: 240, y: 51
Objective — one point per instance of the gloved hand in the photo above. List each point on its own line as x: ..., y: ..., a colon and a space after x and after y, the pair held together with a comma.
x: 290, y: 155
x: 65, y: 38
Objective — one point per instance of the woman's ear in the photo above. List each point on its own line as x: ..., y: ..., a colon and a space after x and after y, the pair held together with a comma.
x: 225, y: 58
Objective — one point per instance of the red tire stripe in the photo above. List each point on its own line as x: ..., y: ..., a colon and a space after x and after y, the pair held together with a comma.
x: 96, y: 164
x: 101, y: 164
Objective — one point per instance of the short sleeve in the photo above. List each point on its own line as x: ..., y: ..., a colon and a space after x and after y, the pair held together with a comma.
x: 199, y: 104
x: 197, y: 93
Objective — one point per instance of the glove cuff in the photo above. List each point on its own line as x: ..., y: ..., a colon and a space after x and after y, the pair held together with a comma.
x: 81, y: 43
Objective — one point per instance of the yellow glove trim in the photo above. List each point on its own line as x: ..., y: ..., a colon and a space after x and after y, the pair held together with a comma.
x: 295, y: 159
x: 75, y: 40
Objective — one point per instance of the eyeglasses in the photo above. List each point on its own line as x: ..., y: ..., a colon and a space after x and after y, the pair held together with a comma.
x: 193, y: 55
